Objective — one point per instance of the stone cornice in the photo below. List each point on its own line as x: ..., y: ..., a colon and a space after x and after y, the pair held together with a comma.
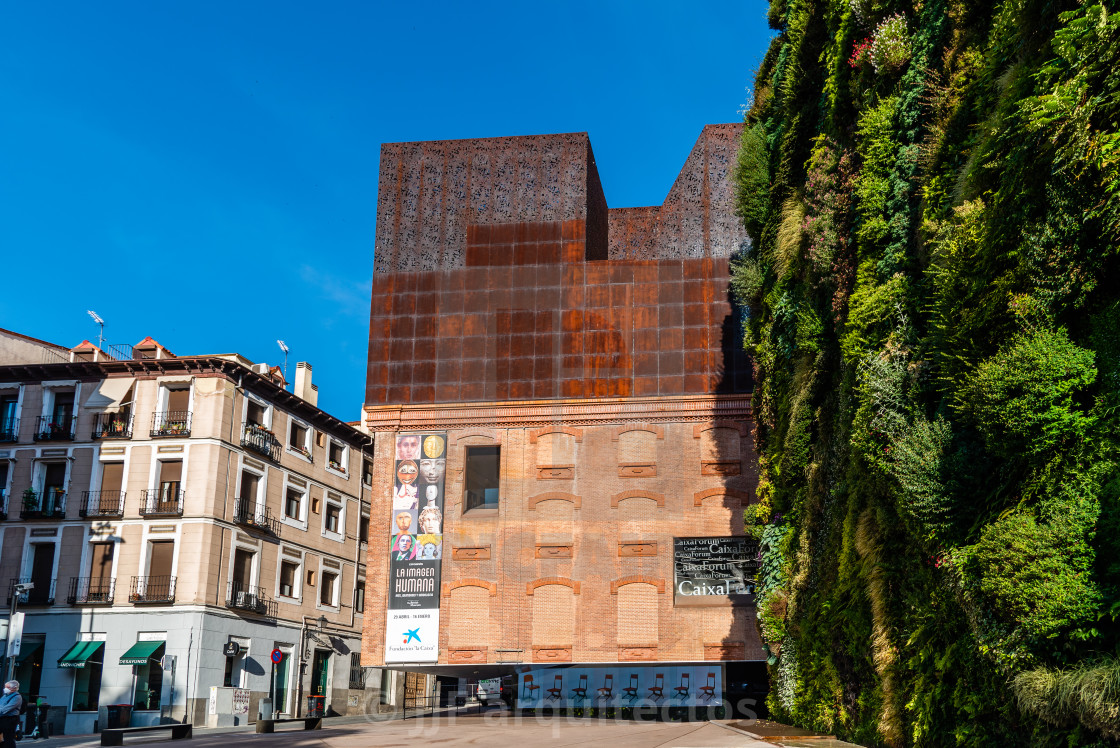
x: 539, y: 413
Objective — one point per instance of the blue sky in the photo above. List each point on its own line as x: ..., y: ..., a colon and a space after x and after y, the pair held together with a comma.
x: 206, y: 172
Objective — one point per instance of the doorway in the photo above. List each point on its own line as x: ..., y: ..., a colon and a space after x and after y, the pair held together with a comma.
x: 319, y: 667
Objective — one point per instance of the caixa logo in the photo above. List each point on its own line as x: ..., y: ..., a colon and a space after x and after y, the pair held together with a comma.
x: 412, y: 635
x: 730, y: 586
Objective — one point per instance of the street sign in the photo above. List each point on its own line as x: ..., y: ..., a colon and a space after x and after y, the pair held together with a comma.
x: 231, y: 649
x: 15, y: 634
x: 277, y: 657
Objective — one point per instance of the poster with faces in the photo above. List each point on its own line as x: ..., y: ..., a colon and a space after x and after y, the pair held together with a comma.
x: 416, y: 545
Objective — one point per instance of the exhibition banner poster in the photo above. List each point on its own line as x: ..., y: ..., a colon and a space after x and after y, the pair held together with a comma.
x: 622, y: 686
x: 416, y: 548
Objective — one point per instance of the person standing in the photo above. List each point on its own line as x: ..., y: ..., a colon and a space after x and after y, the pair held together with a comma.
x: 10, y: 704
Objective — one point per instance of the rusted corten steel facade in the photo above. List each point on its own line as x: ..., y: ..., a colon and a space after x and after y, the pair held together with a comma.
x: 599, y: 349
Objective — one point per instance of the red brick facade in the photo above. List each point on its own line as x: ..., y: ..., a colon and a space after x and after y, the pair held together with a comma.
x: 599, y: 349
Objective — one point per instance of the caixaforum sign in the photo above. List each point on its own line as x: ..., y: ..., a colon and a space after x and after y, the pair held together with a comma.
x: 712, y: 570
x: 416, y: 548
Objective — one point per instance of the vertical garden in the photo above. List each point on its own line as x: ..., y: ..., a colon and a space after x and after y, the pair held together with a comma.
x: 932, y: 190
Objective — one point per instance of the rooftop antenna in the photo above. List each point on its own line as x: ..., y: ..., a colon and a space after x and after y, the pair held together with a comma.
x: 284, y: 347
x: 98, y: 320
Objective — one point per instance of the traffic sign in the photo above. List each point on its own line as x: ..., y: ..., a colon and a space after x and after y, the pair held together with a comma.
x: 277, y: 657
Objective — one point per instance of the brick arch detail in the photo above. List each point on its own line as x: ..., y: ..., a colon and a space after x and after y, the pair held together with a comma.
x: 638, y: 494
x: 638, y: 579
x: 494, y: 436
x: 731, y: 493
x: 491, y: 587
x: 700, y: 428
x: 577, y: 501
x: 654, y: 429
x: 575, y: 433
x: 531, y: 587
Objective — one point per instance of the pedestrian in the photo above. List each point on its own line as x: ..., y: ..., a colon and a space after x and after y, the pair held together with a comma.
x: 10, y: 704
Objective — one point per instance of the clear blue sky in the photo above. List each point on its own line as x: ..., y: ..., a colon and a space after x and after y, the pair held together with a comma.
x: 206, y: 172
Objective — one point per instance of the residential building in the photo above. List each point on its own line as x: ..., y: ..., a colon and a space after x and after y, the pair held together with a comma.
x: 565, y: 385
x: 181, y: 518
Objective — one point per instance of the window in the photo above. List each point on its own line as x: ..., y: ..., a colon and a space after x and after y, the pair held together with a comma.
x: 100, y: 587
x: 360, y: 597
x: 9, y: 425
x: 243, y: 561
x: 367, y: 471
x: 250, y: 489
x: 170, y: 479
x: 357, y: 675
x: 175, y: 417
x: 332, y: 518
x: 293, y: 503
x: 328, y: 589
x: 42, y: 574
x: 149, y: 683
x: 299, y: 438
x: 336, y: 456
x: 256, y: 414
x: 3, y: 486
x: 363, y: 529
x: 289, y: 574
x: 480, y: 485
x: 51, y: 501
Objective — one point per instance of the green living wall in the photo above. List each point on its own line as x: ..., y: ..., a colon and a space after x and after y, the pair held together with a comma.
x: 932, y: 190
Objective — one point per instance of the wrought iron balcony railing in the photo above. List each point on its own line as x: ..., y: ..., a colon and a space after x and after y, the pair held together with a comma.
x: 246, y: 512
x: 162, y: 502
x: 242, y: 596
x: 9, y: 430
x: 91, y: 591
x: 112, y: 426
x: 43, y: 594
x: 260, y: 440
x: 55, y: 428
x: 171, y: 423
x: 102, y: 504
x: 48, y: 504
x: 149, y: 589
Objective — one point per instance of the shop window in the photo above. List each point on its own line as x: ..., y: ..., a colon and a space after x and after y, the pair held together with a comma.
x: 480, y: 486
x: 87, y: 679
x: 149, y: 683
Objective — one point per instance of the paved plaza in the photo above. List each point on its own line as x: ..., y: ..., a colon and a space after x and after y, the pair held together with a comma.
x: 498, y: 729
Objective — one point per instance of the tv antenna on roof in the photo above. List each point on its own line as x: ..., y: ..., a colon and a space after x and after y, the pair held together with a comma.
x: 284, y: 347
x: 98, y: 320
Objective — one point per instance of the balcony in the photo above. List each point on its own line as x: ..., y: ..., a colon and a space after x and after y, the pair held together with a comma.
x: 247, y: 513
x: 43, y: 594
x: 91, y: 591
x: 162, y: 502
x: 102, y: 504
x: 260, y: 440
x: 152, y: 590
x: 112, y: 426
x: 252, y: 599
x: 9, y: 430
x: 55, y: 429
x: 48, y: 504
x: 171, y: 423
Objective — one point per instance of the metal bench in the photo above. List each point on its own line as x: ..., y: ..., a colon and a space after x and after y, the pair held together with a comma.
x: 309, y: 723
x: 115, y: 735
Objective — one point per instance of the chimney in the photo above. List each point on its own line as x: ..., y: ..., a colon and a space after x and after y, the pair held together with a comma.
x: 303, y: 387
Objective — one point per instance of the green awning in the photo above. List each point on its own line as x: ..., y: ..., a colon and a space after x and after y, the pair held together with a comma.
x: 28, y: 652
x: 140, y: 652
x: 81, y: 653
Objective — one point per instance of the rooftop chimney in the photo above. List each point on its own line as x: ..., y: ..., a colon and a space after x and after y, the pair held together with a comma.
x: 303, y: 387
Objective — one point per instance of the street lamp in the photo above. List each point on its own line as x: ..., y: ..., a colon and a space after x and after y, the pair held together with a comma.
x: 18, y: 590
